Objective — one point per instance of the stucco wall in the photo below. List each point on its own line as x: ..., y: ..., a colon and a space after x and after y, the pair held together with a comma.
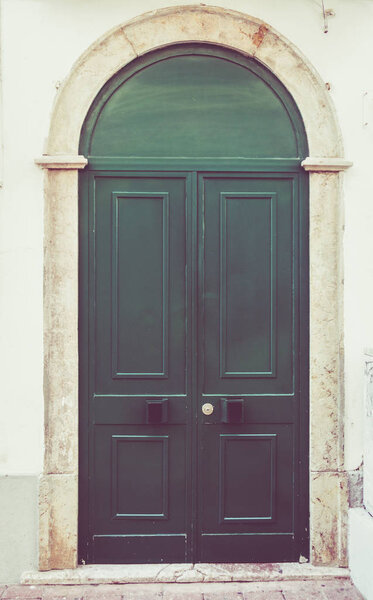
x: 18, y: 526
x: 41, y: 39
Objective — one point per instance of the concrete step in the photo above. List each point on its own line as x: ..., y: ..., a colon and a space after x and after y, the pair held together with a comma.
x: 300, y: 589
x: 184, y: 573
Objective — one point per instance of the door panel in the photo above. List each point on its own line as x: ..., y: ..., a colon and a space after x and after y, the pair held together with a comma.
x: 157, y: 458
x: 247, y: 494
x: 247, y: 273
x: 248, y: 293
x: 138, y: 396
x: 140, y: 259
x: 139, y: 490
x: 140, y: 288
x: 247, y: 479
x: 249, y: 341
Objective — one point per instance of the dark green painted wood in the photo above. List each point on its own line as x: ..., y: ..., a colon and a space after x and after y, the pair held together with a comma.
x: 120, y: 163
x: 193, y: 289
x: 194, y: 100
x: 249, y: 340
x: 151, y: 113
x: 137, y: 257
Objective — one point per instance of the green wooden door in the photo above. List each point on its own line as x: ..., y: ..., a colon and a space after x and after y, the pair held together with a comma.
x: 193, y: 316
x: 248, y: 366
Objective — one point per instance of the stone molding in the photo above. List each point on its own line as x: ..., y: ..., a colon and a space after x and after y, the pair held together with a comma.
x: 325, y: 164
x: 251, y: 37
x: 198, y: 23
x: 62, y: 162
x: 80, y: 162
x: 183, y: 573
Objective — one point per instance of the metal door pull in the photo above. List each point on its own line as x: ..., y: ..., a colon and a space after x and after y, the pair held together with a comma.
x: 157, y: 411
x: 232, y: 410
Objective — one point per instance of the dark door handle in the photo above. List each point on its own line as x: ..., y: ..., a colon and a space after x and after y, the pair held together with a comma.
x: 157, y: 411
x: 232, y: 410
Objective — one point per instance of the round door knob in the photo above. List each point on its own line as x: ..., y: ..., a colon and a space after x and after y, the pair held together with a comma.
x: 207, y: 408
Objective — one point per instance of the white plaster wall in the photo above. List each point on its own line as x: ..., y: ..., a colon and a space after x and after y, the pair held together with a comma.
x: 360, y: 550
x: 40, y: 41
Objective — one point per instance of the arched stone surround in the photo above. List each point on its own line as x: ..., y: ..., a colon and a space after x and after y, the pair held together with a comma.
x: 58, y: 509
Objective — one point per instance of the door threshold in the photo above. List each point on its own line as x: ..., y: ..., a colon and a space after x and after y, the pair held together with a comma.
x: 183, y: 573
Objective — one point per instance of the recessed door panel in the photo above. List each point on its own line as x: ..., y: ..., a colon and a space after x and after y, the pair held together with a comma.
x: 140, y: 288
x: 140, y: 480
x: 247, y: 482
x: 247, y: 477
x: 248, y: 293
x: 139, y: 248
x: 145, y: 497
x: 248, y: 290
x: 139, y: 491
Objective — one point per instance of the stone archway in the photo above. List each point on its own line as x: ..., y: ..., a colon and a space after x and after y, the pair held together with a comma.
x: 58, y: 506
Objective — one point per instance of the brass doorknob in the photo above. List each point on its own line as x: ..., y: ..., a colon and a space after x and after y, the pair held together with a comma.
x: 207, y: 408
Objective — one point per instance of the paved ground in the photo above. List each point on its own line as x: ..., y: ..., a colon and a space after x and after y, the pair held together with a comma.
x: 334, y: 589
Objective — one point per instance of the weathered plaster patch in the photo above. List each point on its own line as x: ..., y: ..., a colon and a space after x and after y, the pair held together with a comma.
x: 355, y: 488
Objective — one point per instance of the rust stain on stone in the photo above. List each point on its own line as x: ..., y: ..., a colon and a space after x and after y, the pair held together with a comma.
x: 259, y: 36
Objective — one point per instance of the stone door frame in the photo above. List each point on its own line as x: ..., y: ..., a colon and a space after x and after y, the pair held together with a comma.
x: 58, y: 500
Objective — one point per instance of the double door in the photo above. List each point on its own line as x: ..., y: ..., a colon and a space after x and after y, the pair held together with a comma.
x: 193, y: 367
